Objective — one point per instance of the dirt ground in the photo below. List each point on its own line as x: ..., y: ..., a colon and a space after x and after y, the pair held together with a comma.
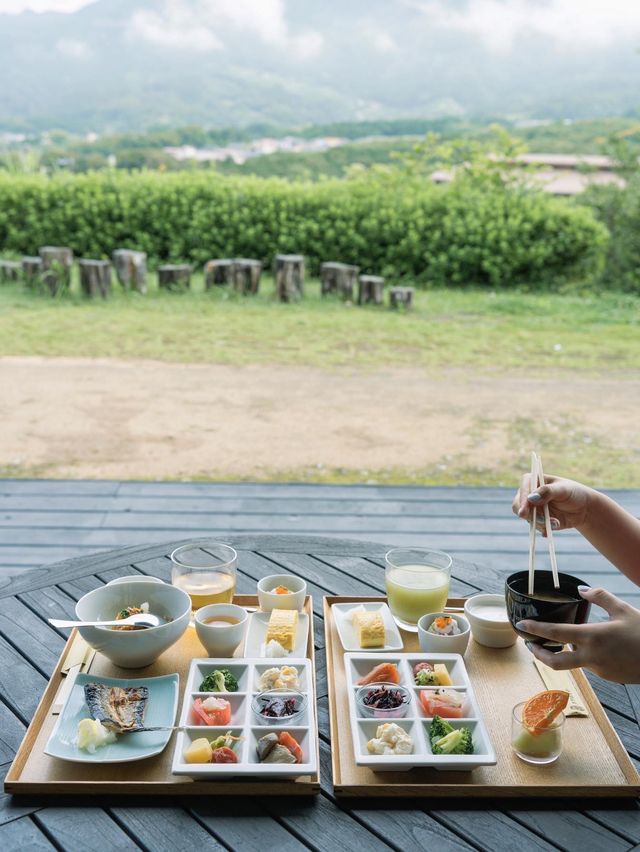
x: 106, y: 419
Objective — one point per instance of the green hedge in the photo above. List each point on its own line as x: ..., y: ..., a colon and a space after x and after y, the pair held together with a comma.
x: 619, y: 210
x: 399, y: 228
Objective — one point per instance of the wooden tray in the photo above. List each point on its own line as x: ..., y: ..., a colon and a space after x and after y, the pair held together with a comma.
x: 32, y: 771
x: 594, y: 762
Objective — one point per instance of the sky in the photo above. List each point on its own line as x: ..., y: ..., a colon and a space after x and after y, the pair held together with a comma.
x: 195, y: 24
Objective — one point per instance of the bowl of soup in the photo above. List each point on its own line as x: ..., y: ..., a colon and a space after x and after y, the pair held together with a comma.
x: 563, y: 605
x: 132, y: 649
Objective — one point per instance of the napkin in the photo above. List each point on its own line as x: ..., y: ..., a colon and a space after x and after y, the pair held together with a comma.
x: 562, y: 680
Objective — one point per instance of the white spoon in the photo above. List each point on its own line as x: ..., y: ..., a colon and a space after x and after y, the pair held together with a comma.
x: 145, y: 619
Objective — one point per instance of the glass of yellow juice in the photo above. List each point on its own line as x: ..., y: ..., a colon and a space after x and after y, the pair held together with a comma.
x: 417, y: 583
x: 206, y: 571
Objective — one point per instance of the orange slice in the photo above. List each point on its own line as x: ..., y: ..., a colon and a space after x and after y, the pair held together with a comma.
x: 540, y: 711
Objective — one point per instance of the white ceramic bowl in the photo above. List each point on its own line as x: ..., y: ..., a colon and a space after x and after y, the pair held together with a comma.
x: 132, y: 649
x: 486, y: 628
x: 269, y: 600
x: 433, y: 643
x: 221, y: 641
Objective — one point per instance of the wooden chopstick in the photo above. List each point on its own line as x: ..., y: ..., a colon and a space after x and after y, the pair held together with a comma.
x: 547, y: 526
x: 532, y: 524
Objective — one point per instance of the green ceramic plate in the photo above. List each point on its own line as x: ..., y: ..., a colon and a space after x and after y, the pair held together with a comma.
x: 161, y: 710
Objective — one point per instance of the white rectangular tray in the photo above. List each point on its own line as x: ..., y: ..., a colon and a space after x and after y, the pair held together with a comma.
x: 247, y: 672
x: 416, y: 722
x: 347, y: 632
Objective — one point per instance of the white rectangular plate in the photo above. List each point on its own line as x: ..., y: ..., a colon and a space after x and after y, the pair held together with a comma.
x: 243, y: 724
x: 257, y: 632
x: 349, y: 636
x: 161, y: 710
x: 416, y: 722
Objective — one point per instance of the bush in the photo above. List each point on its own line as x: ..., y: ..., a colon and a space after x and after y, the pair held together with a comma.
x: 619, y: 209
x: 393, y: 223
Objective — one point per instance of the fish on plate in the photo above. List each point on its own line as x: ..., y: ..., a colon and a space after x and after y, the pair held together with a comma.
x: 119, y: 709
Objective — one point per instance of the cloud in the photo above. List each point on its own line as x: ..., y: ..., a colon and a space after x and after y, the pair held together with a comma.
x: 200, y: 25
x: 74, y: 48
x: 378, y: 38
x: 570, y: 23
x: 15, y: 7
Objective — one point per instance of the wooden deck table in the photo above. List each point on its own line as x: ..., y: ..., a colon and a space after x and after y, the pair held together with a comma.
x: 29, y: 649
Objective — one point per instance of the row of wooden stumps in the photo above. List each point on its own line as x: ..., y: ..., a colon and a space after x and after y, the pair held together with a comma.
x: 51, y: 268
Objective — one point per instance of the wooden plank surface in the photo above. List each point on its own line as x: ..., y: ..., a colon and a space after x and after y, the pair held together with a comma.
x: 43, y: 521
x: 321, y: 824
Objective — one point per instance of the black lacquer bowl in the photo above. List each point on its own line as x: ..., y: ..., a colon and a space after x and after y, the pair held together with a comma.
x: 539, y: 607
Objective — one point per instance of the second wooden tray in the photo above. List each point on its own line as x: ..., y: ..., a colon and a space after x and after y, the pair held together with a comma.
x: 594, y: 762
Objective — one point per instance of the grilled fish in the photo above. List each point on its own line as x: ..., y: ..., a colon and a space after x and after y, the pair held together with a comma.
x: 120, y: 709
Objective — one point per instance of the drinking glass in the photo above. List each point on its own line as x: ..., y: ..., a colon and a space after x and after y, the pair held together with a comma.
x: 538, y: 748
x: 206, y: 571
x: 417, y: 583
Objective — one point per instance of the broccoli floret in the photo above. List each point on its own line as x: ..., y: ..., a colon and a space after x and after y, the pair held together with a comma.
x: 426, y: 678
x: 447, y: 740
x: 439, y: 728
x: 214, y: 682
x: 230, y: 682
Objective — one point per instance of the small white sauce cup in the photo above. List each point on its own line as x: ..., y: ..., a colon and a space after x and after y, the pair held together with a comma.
x: 485, y: 629
x: 221, y: 640
x: 269, y: 600
x: 434, y: 643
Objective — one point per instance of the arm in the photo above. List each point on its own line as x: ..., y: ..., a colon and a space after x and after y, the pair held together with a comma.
x: 615, y: 533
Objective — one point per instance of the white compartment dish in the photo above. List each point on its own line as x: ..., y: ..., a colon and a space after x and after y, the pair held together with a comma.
x: 416, y: 722
x: 349, y: 636
x: 248, y: 673
x: 254, y: 645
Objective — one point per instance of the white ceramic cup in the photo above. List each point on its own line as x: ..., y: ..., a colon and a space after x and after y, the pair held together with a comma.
x: 486, y: 628
x: 221, y: 640
x: 269, y: 600
x: 433, y: 643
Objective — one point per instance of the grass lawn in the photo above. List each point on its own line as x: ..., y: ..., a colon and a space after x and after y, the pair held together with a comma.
x: 478, y: 329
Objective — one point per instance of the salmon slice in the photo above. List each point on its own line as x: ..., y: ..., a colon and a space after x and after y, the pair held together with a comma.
x: 382, y: 673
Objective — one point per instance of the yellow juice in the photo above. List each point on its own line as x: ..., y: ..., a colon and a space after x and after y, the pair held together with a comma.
x: 207, y: 587
x: 414, y: 590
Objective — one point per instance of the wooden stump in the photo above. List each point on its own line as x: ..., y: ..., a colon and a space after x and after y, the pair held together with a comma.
x: 56, y: 262
x: 218, y: 272
x: 174, y: 276
x: 246, y: 275
x: 95, y: 277
x: 338, y: 278
x: 31, y: 269
x: 370, y: 289
x: 10, y: 270
x: 131, y: 269
x: 401, y: 296
x: 288, y: 271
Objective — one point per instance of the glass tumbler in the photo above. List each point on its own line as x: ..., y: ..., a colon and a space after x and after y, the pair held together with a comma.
x: 417, y: 583
x: 206, y: 571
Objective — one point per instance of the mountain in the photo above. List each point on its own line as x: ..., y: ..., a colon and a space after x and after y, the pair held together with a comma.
x: 133, y: 64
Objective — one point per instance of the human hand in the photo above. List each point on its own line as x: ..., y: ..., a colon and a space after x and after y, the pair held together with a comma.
x: 610, y: 649
x: 568, y: 501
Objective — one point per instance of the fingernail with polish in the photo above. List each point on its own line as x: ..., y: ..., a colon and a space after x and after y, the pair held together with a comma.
x: 533, y: 498
x: 583, y: 588
x: 520, y: 625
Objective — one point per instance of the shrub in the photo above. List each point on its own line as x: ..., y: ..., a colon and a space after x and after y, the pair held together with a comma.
x: 389, y: 222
